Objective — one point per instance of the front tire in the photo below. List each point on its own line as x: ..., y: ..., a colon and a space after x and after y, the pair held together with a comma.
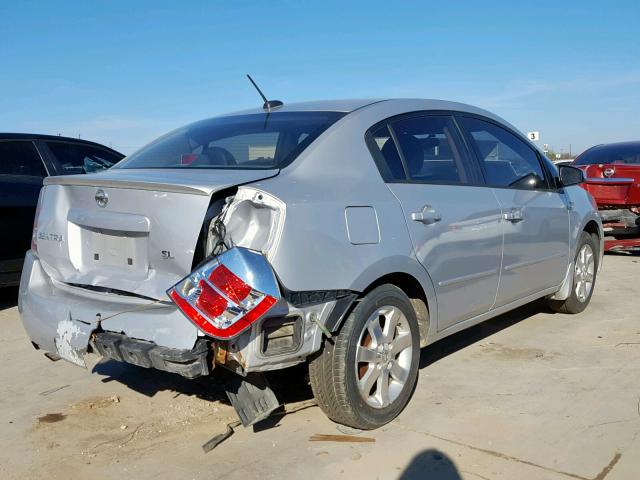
x: 365, y: 375
x: 585, y: 268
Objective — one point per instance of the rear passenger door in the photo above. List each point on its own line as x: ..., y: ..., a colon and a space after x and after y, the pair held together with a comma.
x: 535, y: 215
x: 453, y: 221
x: 21, y: 176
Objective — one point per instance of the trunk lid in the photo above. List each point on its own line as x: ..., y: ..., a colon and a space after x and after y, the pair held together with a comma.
x: 128, y: 230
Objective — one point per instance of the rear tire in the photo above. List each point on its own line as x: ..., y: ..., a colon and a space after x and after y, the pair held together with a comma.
x: 585, y: 269
x: 364, y: 376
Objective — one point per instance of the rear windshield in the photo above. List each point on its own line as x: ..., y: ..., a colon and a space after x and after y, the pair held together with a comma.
x: 256, y: 141
x: 610, y: 154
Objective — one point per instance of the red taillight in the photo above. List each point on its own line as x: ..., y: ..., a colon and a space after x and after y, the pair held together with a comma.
x: 34, y: 233
x: 223, y: 303
x: 210, y: 301
x: 229, y: 284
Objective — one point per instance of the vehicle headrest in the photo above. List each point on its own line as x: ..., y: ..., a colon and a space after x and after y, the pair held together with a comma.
x: 215, y: 156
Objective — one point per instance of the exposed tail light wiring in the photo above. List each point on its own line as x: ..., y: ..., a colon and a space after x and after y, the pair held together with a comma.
x: 218, y: 231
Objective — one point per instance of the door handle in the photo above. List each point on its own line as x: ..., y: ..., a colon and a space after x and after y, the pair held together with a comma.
x: 427, y: 215
x: 514, y: 215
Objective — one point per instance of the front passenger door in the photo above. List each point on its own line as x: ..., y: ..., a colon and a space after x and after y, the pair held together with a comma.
x: 453, y: 222
x: 535, y: 216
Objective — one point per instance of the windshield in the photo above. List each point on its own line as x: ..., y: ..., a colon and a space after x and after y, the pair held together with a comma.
x: 626, y: 153
x: 256, y: 141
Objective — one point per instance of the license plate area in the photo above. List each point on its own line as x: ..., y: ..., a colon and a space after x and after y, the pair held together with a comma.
x: 610, y: 193
x: 109, y: 250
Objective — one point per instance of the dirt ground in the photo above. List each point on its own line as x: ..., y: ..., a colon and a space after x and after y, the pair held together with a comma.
x: 528, y: 395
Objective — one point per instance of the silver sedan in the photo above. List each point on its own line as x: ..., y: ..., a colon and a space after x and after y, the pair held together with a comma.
x: 342, y: 234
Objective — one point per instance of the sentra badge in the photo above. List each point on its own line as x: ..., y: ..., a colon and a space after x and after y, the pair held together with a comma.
x: 52, y: 237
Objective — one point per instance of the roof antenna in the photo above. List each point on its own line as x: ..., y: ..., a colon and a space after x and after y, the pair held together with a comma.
x: 268, y: 104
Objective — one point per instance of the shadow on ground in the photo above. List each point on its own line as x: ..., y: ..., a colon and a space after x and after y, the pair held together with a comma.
x: 149, y: 381
x: 8, y: 297
x: 291, y: 384
x: 460, y: 340
x: 431, y: 465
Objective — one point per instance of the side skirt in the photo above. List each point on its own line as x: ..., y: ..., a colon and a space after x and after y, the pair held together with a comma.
x: 486, y: 316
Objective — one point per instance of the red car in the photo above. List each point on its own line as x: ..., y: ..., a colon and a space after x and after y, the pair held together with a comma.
x: 612, y: 174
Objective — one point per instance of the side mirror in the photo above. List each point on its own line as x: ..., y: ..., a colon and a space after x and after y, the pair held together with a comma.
x: 569, y: 175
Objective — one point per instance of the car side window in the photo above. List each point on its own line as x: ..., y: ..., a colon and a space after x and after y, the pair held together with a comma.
x: 78, y: 158
x: 431, y: 150
x: 20, y: 158
x: 507, y: 160
x: 391, y: 167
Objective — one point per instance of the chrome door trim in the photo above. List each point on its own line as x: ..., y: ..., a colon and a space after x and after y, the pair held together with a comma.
x: 515, y: 266
x: 467, y: 278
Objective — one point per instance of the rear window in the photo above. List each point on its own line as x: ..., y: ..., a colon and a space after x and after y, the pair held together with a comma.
x: 610, y: 154
x: 74, y: 158
x: 256, y: 141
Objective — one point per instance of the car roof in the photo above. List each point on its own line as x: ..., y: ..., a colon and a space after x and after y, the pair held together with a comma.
x: 384, y: 104
x: 630, y: 143
x: 350, y: 104
x: 40, y: 136
x: 340, y: 105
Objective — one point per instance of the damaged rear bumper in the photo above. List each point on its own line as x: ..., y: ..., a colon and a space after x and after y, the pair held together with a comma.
x: 187, y: 363
x: 60, y: 319
x: 68, y: 320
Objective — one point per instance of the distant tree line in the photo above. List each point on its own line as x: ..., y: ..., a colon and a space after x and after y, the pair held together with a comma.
x: 552, y: 155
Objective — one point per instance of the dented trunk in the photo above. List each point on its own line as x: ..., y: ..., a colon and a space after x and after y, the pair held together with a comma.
x: 128, y: 231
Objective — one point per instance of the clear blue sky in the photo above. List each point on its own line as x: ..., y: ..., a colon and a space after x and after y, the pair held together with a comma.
x: 123, y: 73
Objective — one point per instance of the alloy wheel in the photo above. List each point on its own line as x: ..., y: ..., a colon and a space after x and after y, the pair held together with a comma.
x: 584, y: 273
x: 383, y: 356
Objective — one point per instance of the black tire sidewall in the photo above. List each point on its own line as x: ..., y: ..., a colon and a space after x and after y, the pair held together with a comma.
x: 573, y: 303
x: 382, y: 296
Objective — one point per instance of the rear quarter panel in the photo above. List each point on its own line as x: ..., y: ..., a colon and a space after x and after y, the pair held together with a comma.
x: 315, y: 251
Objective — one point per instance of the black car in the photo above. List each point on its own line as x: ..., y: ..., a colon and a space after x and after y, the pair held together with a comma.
x: 25, y: 160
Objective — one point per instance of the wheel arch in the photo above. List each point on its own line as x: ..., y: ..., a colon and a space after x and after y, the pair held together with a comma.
x: 406, y: 273
x: 416, y: 294
x: 594, y: 228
